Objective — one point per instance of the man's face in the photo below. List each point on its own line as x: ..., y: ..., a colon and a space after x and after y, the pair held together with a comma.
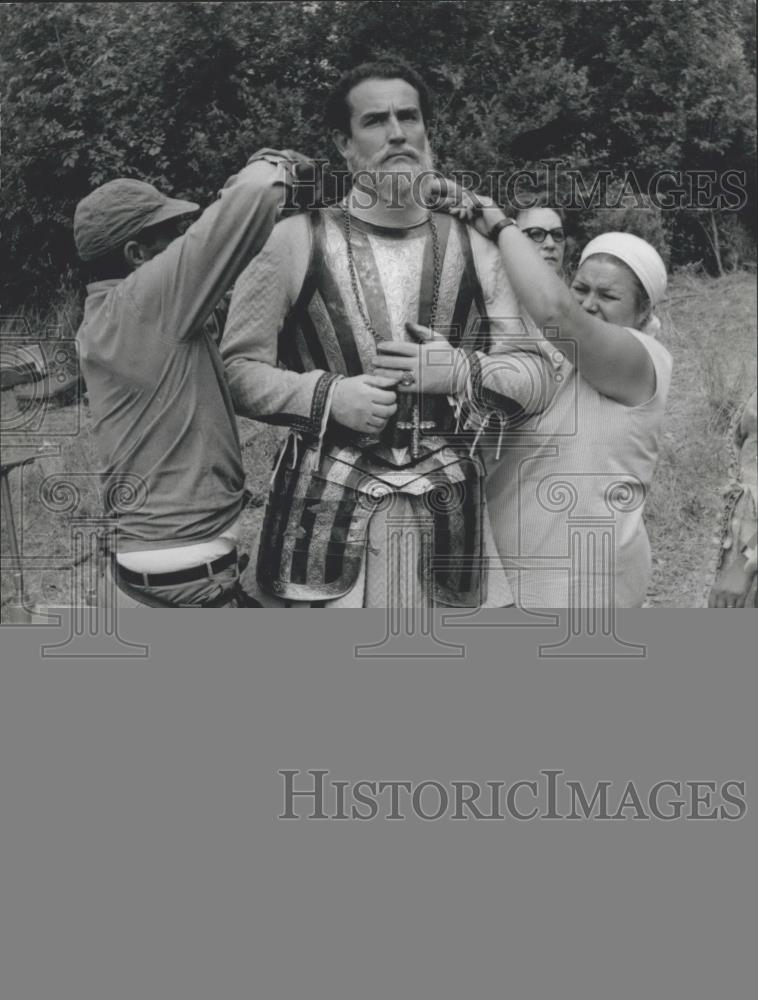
x: 387, y: 132
x: 155, y: 239
x: 158, y: 238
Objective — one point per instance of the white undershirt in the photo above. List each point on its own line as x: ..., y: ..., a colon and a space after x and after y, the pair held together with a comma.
x: 181, y: 556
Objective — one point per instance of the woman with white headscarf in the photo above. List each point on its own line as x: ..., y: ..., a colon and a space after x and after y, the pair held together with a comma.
x: 566, y: 494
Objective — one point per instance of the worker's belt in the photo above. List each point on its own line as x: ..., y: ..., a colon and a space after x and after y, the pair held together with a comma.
x: 189, y: 575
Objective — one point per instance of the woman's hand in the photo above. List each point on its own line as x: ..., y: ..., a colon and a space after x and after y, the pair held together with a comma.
x: 478, y: 210
x: 431, y: 366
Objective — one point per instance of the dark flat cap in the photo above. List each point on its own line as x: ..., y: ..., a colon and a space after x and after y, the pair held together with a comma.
x: 117, y: 211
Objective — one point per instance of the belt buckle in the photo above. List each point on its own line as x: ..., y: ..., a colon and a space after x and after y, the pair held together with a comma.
x: 211, y: 573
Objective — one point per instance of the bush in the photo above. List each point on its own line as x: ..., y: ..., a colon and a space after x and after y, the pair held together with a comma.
x: 649, y: 223
x: 181, y: 93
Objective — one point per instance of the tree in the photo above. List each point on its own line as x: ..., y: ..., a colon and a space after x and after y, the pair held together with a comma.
x: 181, y: 93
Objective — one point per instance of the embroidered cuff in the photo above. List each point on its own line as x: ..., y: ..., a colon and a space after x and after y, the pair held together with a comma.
x: 321, y: 403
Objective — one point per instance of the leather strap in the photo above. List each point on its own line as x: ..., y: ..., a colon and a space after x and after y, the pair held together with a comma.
x: 224, y: 599
x: 189, y: 575
x: 500, y: 225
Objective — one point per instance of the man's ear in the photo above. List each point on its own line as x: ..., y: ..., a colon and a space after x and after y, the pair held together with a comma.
x: 341, y: 141
x: 134, y: 254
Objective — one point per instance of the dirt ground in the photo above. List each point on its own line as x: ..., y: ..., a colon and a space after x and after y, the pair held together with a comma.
x: 709, y: 325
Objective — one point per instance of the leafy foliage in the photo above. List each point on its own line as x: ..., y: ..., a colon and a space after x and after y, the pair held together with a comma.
x: 181, y: 93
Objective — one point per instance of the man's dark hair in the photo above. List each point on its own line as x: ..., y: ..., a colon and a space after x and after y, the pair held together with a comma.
x: 337, y: 109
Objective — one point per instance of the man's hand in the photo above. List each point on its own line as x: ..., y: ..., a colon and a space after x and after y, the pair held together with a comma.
x: 364, y: 403
x: 436, y: 366
x: 299, y: 177
x: 303, y: 183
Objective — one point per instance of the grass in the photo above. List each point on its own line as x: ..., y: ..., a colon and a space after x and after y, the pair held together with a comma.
x: 709, y: 326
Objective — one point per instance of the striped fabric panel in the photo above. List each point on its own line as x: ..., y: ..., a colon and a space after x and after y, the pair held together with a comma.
x: 314, y: 536
x: 443, y: 223
x: 470, y: 313
x: 271, y: 551
x: 457, y: 538
x: 307, y: 529
x: 317, y: 523
x: 324, y: 525
x: 370, y: 285
x: 326, y: 330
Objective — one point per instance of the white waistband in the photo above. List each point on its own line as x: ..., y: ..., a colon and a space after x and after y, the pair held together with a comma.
x: 180, y: 556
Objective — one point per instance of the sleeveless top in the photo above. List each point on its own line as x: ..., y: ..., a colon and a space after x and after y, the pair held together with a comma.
x: 566, y: 499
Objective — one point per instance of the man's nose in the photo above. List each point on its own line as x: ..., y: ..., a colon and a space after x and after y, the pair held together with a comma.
x: 395, y: 131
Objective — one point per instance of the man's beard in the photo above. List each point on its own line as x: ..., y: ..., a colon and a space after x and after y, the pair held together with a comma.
x: 394, y: 188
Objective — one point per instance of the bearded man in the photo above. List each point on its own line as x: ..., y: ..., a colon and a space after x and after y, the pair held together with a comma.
x: 366, y: 328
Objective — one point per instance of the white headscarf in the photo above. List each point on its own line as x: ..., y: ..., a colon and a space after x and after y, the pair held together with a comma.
x: 636, y: 253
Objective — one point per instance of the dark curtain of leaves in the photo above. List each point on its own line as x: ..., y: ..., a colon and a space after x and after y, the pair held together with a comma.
x: 182, y: 93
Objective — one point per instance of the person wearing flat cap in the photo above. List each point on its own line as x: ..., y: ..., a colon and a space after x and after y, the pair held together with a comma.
x: 162, y: 417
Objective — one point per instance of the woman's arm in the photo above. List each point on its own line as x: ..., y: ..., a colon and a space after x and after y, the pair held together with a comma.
x: 609, y: 357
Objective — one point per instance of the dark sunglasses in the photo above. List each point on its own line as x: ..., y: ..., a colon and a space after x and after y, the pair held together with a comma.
x: 538, y: 235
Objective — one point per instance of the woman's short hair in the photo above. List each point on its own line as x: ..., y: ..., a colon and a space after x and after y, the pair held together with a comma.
x: 337, y: 109
x: 539, y: 199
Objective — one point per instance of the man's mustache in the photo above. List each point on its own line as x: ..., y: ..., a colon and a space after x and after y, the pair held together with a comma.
x: 409, y: 153
x: 421, y: 160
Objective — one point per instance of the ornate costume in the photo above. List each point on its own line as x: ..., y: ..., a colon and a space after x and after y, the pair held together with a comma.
x: 309, y: 311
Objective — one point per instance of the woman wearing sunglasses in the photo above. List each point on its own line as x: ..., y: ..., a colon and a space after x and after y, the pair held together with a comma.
x: 566, y: 496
